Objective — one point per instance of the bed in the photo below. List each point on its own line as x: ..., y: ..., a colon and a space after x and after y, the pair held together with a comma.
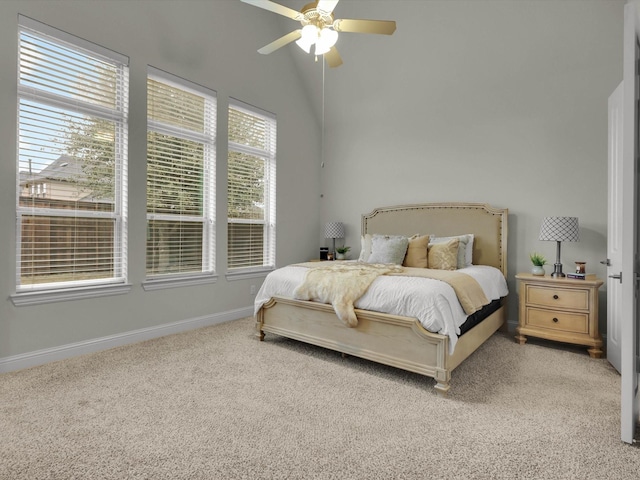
x: 397, y: 340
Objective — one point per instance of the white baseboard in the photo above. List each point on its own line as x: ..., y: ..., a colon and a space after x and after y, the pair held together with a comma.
x: 40, y: 357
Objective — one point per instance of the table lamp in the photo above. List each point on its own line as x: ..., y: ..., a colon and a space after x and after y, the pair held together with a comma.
x: 334, y: 230
x: 559, y: 229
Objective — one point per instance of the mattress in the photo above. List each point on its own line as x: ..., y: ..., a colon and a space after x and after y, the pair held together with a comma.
x: 432, y: 302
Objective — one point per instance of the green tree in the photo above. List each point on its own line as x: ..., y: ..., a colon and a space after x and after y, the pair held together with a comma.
x: 246, y: 179
x: 246, y: 172
x: 91, y: 143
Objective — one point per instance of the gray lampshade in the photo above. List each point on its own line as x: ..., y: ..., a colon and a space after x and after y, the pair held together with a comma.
x: 334, y: 230
x: 560, y: 229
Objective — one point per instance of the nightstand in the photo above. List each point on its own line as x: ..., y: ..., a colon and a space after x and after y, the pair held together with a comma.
x: 560, y: 309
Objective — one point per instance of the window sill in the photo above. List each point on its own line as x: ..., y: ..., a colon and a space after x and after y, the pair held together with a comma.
x: 231, y: 276
x: 26, y: 299
x: 176, y: 282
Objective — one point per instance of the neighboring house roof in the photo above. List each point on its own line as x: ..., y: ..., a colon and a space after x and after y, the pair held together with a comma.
x: 62, y: 169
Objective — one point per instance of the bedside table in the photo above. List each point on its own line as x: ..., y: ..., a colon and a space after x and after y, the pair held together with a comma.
x: 560, y: 309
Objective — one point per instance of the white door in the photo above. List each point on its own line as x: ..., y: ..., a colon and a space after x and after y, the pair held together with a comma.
x: 629, y: 402
x: 614, y: 229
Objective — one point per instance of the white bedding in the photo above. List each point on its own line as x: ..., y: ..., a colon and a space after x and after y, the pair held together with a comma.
x: 432, y: 302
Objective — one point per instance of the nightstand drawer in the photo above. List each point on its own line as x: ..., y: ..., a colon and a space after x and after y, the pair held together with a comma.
x: 557, y: 297
x: 553, y: 320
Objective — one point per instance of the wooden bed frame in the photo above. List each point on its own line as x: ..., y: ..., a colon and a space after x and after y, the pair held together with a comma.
x: 393, y: 340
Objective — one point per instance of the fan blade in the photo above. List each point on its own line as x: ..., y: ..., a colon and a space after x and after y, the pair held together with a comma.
x: 327, y: 5
x: 333, y: 58
x: 275, y: 8
x: 384, y: 27
x: 281, y: 42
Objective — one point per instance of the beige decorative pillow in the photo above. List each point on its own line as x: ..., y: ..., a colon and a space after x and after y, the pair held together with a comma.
x: 444, y: 256
x: 417, y: 252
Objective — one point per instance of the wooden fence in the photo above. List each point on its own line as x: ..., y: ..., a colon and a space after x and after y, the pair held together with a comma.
x: 60, y: 248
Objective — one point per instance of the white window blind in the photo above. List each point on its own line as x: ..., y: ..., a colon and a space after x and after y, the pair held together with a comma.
x: 251, y: 212
x: 180, y: 176
x: 72, y: 161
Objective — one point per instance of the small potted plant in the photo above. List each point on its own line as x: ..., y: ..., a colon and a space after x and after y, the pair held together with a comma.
x: 341, y: 252
x: 538, y: 262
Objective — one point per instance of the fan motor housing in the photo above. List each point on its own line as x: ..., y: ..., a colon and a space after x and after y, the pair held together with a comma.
x: 312, y: 16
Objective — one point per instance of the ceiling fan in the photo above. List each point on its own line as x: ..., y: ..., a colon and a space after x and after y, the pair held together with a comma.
x: 319, y: 28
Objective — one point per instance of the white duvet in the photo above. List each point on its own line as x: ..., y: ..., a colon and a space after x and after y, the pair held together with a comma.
x: 432, y: 302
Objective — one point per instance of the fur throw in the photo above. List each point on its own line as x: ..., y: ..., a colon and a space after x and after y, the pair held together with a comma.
x: 341, y: 284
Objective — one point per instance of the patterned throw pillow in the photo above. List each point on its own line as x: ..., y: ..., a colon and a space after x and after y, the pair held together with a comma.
x: 417, y: 252
x: 388, y: 249
x: 444, y: 256
x: 465, y: 248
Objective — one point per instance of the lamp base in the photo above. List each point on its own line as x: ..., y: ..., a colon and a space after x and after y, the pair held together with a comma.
x: 557, y: 271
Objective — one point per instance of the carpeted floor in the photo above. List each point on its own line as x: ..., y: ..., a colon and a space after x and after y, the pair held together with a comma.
x: 215, y: 403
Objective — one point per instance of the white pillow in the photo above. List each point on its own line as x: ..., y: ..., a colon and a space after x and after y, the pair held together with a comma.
x: 365, y: 247
x: 388, y: 249
x: 465, y: 248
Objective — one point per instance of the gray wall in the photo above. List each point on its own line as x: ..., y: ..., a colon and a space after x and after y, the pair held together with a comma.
x: 212, y: 43
x: 497, y: 101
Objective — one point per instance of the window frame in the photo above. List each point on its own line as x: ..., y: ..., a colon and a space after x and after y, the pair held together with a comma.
x: 269, y: 154
x: 208, y: 218
x: 38, y: 293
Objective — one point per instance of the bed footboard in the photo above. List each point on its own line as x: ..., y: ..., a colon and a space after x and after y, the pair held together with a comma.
x: 393, y: 340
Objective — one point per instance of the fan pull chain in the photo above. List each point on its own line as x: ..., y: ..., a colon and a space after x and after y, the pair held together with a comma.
x: 322, y: 119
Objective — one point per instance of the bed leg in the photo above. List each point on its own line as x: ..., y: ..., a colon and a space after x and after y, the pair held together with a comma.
x: 442, y: 389
x: 442, y: 383
x: 259, y: 322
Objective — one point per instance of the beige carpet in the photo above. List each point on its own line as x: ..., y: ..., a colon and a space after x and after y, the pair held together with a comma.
x: 216, y: 404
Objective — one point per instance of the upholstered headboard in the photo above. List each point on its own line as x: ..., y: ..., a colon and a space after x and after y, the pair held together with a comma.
x: 488, y: 224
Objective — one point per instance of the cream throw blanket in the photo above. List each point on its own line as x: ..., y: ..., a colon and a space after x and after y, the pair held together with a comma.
x: 342, y: 283
x: 467, y: 288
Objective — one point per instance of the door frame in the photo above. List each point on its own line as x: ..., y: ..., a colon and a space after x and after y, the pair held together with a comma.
x: 629, y: 380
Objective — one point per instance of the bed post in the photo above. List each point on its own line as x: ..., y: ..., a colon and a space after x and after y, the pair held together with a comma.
x: 259, y: 322
x: 443, y: 377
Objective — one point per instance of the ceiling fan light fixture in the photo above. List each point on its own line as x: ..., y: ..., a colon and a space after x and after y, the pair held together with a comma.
x: 308, y: 38
x: 310, y: 34
x: 327, y: 38
x: 304, y: 45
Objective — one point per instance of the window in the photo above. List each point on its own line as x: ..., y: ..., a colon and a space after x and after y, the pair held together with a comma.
x: 251, y: 189
x: 72, y: 162
x: 181, y: 128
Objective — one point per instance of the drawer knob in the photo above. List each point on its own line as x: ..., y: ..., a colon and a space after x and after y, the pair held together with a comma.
x: 555, y: 320
x: 555, y: 297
